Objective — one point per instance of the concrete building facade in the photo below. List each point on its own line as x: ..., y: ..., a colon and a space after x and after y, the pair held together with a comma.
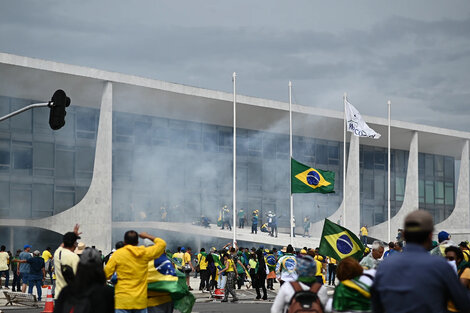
x: 133, y: 145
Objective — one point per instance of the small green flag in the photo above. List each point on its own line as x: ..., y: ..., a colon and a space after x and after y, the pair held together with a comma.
x: 306, y: 179
x: 339, y: 243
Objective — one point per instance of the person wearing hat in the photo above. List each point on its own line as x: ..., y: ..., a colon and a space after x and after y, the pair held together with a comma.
x: 414, y: 280
x: 306, y: 268
x: 65, y: 260
x: 90, y: 284
x: 24, y: 267
x: 444, y: 241
x: 226, y: 218
x: 80, y: 248
x: 37, y: 273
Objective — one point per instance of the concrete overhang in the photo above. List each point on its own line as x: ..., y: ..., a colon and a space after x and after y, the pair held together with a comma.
x: 37, y: 79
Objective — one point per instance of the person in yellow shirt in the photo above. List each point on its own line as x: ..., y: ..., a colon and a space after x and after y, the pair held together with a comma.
x: 231, y: 273
x: 332, y: 265
x: 131, y: 266
x: 364, y: 234
x: 47, y: 256
x: 202, y: 263
x: 178, y: 258
x: 187, y: 264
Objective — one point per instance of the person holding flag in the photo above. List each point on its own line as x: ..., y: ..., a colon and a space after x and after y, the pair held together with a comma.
x: 130, y: 263
x: 339, y: 242
x: 271, y: 263
x: 166, y: 286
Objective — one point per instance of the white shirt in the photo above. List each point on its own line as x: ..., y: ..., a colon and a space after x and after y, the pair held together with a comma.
x: 286, y: 268
x: 4, y: 257
x: 286, y: 292
x: 63, y: 256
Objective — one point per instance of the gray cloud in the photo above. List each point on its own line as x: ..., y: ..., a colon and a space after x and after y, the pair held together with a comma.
x: 418, y: 58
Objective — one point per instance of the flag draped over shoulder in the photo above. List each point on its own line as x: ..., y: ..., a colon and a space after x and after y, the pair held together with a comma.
x: 339, y: 243
x: 163, y: 277
x: 307, y: 179
x: 356, y: 123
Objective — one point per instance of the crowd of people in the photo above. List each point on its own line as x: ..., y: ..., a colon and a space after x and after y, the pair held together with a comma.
x: 414, y: 275
x: 269, y: 226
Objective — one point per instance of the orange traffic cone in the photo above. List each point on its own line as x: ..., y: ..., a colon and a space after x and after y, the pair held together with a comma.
x: 49, y: 308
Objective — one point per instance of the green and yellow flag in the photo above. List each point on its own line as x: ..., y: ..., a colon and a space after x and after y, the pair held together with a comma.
x: 339, y: 243
x: 306, y: 179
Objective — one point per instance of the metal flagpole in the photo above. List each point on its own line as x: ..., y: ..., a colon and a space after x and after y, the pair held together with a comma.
x: 234, y: 205
x: 290, y: 166
x: 388, y: 165
x: 344, y: 161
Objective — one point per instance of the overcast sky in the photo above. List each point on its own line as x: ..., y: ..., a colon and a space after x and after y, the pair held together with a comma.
x: 415, y: 53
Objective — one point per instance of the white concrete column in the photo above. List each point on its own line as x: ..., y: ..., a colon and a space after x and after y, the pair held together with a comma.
x: 411, y: 197
x: 93, y: 213
x: 353, y: 189
x: 458, y: 221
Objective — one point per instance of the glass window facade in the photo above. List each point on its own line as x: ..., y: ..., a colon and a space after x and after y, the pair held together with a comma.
x: 187, y: 167
x: 44, y: 172
x: 374, y: 189
x: 436, y: 185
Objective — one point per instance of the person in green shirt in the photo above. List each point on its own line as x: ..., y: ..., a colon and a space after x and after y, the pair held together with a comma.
x: 241, y: 218
x: 16, y: 285
x: 353, y: 291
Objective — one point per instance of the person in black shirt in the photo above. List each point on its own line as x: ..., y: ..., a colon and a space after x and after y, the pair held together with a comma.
x: 37, y: 273
x: 88, y: 289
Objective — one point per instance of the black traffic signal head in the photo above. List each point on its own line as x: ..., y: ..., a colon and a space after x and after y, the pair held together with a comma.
x: 58, y: 104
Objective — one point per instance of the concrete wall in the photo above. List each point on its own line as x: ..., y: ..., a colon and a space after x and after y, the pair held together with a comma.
x: 458, y: 223
x: 410, y: 201
x: 93, y: 213
x: 352, y: 215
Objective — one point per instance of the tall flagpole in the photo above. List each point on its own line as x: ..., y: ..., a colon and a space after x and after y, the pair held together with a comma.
x: 290, y: 166
x: 388, y: 165
x: 234, y: 205
x: 344, y: 161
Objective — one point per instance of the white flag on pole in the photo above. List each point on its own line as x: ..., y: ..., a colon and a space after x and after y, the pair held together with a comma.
x: 357, y: 125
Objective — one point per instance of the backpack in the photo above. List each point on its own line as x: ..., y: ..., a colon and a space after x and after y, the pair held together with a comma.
x: 305, y: 300
x: 66, y: 271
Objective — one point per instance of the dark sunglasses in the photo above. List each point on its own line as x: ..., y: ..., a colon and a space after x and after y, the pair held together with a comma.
x: 450, y: 258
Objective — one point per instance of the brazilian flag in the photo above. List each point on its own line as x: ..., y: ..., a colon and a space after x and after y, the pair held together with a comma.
x: 339, y: 243
x: 164, y: 278
x: 307, y: 179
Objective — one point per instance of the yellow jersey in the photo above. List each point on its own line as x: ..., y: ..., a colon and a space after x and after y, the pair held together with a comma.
x: 201, y: 260
x: 186, y: 258
x: 46, y: 255
x: 364, y: 231
x: 231, y: 266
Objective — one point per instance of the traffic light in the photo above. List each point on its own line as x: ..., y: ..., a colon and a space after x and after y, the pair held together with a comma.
x: 57, y: 105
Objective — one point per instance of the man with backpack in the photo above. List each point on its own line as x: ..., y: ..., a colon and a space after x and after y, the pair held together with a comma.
x: 66, y: 261
x: 304, y: 294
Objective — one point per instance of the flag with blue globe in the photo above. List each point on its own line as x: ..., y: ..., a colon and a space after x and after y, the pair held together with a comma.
x: 339, y: 242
